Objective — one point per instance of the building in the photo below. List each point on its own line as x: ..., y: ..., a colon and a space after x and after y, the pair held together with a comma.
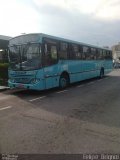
x: 4, y: 40
x: 116, y: 52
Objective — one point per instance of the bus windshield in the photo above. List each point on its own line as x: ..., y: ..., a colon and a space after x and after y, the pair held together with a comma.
x: 25, y: 57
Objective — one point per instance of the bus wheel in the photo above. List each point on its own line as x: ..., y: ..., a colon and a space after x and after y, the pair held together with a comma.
x: 64, y: 81
x: 101, y: 73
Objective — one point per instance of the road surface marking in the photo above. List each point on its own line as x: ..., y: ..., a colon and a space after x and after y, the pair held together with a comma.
x: 5, y: 97
x: 91, y: 82
x: 37, y: 98
x: 100, y: 80
x: 107, y: 77
x: 62, y: 91
x: 81, y: 85
x: 5, y: 108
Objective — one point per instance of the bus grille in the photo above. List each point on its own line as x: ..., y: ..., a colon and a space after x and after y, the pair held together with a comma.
x: 22, y: 80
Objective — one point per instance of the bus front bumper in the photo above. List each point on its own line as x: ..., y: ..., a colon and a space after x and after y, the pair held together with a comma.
x: 36, y: 86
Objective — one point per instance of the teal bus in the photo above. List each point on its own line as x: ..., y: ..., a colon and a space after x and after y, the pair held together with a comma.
x: 39, y: 61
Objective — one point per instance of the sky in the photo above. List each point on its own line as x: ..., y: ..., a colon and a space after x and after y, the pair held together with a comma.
x: 94, y: 22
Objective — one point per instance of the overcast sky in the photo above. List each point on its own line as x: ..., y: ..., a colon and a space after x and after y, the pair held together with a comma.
x: 91, y: 21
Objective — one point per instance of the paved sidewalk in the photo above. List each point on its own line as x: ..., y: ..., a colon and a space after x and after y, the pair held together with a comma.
x: 2, y: 88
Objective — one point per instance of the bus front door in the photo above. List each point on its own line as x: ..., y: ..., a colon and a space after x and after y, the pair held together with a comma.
x: 51, y: 78
x: 51, y: 66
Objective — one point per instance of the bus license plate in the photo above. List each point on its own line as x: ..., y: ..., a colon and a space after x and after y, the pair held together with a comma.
x: 20, y: 86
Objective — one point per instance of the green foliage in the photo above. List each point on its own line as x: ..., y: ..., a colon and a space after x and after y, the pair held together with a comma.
x: 3, y: 73
x: 4, y: 65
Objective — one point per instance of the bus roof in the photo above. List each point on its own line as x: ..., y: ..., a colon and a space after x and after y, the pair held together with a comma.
x: 59, y: 38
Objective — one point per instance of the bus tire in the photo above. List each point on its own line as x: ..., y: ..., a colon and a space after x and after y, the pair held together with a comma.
x: 102, y: 73
x: 64, y: 81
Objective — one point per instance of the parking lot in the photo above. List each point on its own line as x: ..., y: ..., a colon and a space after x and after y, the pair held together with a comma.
x: 83, y: 118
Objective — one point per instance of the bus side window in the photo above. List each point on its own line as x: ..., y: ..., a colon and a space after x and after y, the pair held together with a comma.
x: 53, y: 52
x: 77, y: 52
x: 104, y: 54
x: 50, y: 56
x: 63, y: 50
x: 100, y: 54
x: 71, y: 52
x: 84, y: 53
x: 80, y: 52
x: 74, y: 51
x: 93, y: 53
x: 87, y: 52
x: 109, y: 55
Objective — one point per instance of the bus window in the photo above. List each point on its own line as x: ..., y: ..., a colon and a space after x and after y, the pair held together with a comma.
x: 83, y: 54
x: 80, y: 52
x: 54, y: 52
x: 104, y: 54
x: 93, y: 53
x: 74, y: 51
x: 86, y: 52
x: 109, y: 55
x: 63, y: 48
x: 50, y: 54
x: 99, y: 54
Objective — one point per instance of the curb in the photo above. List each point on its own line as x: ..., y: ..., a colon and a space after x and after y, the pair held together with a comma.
x: 3, y: 88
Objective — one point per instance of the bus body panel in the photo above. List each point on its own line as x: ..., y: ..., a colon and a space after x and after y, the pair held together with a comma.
x: 48, y: 77
x: 51, y: 76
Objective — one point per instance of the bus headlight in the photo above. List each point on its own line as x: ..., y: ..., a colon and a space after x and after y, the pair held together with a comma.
x: 12, y: 80
x: 35, y: 80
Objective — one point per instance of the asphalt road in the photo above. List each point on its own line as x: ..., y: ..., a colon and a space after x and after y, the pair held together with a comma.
x: 84, y: 118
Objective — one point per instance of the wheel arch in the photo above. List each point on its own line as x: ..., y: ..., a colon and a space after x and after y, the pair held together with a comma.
x: 65, y: 73
x: 102, y: 69
x: 102, y: 72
